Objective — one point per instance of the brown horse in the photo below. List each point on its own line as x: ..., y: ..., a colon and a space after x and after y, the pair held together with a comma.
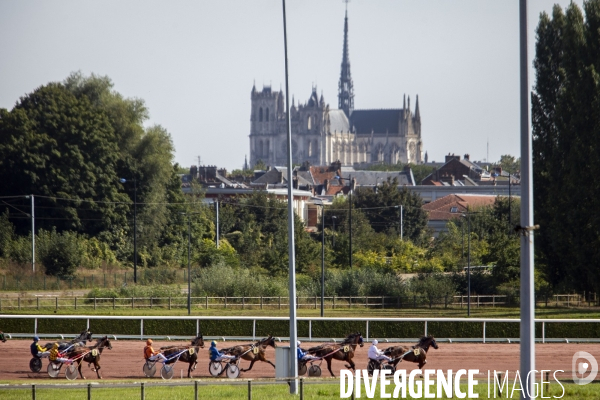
x: 188, y: 354
x: 84, y: 337
x: 91, y: 355
x: 252, y: 352
x: 416, y: 353
x: 339, y: 351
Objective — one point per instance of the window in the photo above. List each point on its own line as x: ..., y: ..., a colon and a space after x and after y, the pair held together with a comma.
x: 308, y: 123
x: 454, y: 209
x: 267, y: 115
x: 260, y: 115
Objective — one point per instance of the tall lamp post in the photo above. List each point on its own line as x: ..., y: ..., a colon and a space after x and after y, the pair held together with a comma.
x: 189, y: 296
x: 468, y: 216
x: 217, y: 209
x: 401, y: 221
x: 322, y: 259
x: 123, y: 180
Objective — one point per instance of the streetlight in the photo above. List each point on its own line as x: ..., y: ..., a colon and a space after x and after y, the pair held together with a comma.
x: 333, y: 218
x: 217, y: 208
x: 322, y: 259
x: 189, y: 297
x: 468, y: 216
x: 123, y: 180
x: 401, y: 221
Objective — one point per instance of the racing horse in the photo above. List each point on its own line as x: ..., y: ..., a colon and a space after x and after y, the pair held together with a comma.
x: 252, y: 352
x: 339, y: 351
x: 84, y: 337
x: 2, y: 337
x: 416, y: 353
x: 91, y: 355
x: 188, y: 354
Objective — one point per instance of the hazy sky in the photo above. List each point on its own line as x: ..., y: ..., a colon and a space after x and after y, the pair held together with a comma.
x: 194, y: 62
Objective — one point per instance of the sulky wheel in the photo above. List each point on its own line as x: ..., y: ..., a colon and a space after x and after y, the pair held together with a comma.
x: 370, y: 367
x: 53, y: 369
x: 71, y: 372
x: 215, y: 368
x: 166, y: 372
x: 232, y: 371
x: 35, y: 364
x: 149, y: 369
x: 301, y: 368
x: 314, y: 370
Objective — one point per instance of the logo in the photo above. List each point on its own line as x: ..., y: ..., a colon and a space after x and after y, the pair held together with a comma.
x: 581, y: 367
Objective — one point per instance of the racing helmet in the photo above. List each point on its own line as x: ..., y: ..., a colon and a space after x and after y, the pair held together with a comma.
x: 149, y: 342
x: 55, y: 346
x: 375, y: 342
x: 36, y: 339
x: 213, y: 343
x: 298, y: 343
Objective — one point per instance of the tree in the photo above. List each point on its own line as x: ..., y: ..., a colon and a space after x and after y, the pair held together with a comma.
x: 566, y: 154
x: 382, y: 208
x: 509, y: 163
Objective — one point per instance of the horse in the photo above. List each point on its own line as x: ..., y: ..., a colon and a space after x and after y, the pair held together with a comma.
x: 2, y: 337
x: 252, y: 352
x: 339, y: 351
x: 416, y: 353
x: 84, y: 337
x: 91, y: 355
x: 188, y: 354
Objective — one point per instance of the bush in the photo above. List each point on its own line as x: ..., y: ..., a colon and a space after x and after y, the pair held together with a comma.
x: 60, y: 253
x: 134, y: 291
x: 222, y: 280
x: 436, y: 287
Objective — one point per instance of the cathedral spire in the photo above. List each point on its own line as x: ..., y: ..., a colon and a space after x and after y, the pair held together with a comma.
x: 346, y: 88
x: 417, y: 113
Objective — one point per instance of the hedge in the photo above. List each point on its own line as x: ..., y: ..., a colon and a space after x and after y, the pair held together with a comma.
x: 321, y: 329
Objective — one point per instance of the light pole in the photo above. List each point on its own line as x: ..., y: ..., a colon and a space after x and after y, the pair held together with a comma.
x: 123, y: 180
x: 468, y: 216
x: 401, y: 221
x: 217, y: 208
x: 322, y: 260
x: 189, y: 296
x: 333, y: 218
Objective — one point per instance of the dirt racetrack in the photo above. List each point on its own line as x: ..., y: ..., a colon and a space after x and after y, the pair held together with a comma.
x: 125, y: 360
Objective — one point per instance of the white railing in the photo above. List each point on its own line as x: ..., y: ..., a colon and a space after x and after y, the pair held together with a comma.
x: 310, y: 320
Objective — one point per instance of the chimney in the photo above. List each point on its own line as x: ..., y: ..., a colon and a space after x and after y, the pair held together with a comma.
x: 280, y: 176
x: 466, y: 157
x: 326, y: 185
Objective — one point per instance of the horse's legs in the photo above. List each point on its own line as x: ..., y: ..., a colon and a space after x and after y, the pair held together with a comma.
x: 329, y: 366
x: 79, y: 369
x: 97, y: 367
x: 351, y: 365
x: 190, y: 369
x: 249, y: 368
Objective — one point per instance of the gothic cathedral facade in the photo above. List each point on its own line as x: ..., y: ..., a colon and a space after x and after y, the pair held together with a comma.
x: 322, y: 135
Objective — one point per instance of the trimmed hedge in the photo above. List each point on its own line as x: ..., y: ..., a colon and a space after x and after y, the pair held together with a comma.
x: 323, y: 329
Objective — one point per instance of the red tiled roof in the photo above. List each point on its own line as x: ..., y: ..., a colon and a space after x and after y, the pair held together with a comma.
x: 441, y: 209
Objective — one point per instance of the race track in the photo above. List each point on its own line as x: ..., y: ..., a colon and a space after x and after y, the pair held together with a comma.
x: 125, y: 360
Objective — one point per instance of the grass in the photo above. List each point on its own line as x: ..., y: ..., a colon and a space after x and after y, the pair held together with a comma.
x: 321, y: 391
x: 487, y: 312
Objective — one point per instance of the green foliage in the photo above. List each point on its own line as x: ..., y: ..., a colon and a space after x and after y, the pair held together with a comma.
x: 566, y: 155
x: 60, y: 253
x: 509, y: 163
x: 156, y: 291
x: 436, y: 287
x: 223, y: 280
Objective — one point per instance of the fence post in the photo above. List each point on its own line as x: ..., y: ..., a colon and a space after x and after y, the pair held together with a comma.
x: 398, y: 304
x: 243, y: 302
x: 76, y: 302
x: 301, y: 388
x: 143, y: 394
x: 94, y: 302
x: 261, y: 302
x: 280, y: 302
x: 132, y: 302
x: 225, y: 301
x: 57, y: 302
x: 19, y: 302
x: 366, y: 301
x: 207, y: 302
x: 104, y: 280
x: 195, y: 390
x: 334, y: 301
x: 414, y: 301
x: 499, y: 386
x: 33, y: 392
x: 382, y: 302
x: 169, y: 302
x: 446, y: 301
x: 150, y: 301
x: 547, y: 381
x: 249, y: 390
x: 315, y: 302
x: 89, y: 391
x: 38, y: 302
x: 543, y: 332
x: 493, y: 300
x: 114, y: 303
x: 483, y: 331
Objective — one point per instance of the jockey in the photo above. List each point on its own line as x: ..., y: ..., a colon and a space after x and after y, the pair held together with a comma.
x: 302, y: 355
x: 37, y: 350
x: 151, y: 355
x: 216, y: 355
x: 377, y: 355
x: 55, y: 356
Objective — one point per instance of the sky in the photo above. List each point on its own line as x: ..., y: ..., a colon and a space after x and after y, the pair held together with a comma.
x: 194, y: 63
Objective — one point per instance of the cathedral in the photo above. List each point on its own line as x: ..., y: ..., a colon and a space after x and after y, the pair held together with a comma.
x: 322, y: 135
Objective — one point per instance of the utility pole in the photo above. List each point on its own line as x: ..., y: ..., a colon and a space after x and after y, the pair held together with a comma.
x: 32, y: 234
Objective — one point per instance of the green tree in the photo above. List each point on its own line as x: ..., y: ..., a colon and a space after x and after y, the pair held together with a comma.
x: 566, y: 154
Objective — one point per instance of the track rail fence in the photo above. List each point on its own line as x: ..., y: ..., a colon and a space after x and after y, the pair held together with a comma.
x: 252, y: 334
x: 281, y: 302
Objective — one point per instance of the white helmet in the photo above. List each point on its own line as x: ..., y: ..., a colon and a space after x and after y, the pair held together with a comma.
x: 298, y: 343
x: 375, y: 341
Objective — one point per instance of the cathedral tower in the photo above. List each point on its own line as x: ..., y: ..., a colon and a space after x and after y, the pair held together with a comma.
x: 346, y: 88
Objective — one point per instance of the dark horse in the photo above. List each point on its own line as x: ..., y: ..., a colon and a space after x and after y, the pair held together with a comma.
x: 189, y: 354
x: 416, y: 353
x: 2, y: 337
x: 84, y: 337
x: 339, y: 351
x: 90, y: 355
x: 252, y: 352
